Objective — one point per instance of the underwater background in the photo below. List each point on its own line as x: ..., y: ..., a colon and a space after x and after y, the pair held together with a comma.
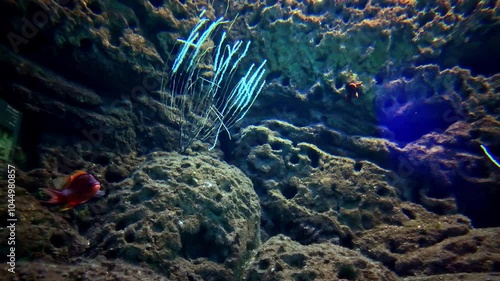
x: 369, y: 154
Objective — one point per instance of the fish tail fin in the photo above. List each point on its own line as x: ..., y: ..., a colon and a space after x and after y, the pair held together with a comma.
x: 68, y: 206
x: 56, y: 196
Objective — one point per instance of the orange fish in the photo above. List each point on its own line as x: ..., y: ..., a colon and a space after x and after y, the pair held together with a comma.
x: 352, y: 90
x: 75, y: 190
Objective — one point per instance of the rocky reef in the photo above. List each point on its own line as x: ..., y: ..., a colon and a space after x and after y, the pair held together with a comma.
x: 181, y: 207
x: 280, y: 258
x: 390, y: 185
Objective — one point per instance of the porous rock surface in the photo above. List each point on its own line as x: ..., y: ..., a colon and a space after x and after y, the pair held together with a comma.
x: 188, y: 216
x: 184, y: 207
x: 39, y: 233
x: 281, y: 258
x: 84, y: 270
x: 426, y: 247
x: 427, y: 88
x: 314, y: 197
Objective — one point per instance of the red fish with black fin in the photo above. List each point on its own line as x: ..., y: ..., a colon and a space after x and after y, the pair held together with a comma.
x: 75, y: 190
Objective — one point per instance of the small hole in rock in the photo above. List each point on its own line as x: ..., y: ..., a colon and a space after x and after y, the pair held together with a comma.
x: 156, y: 3
x: 358, y: 166
x: 382, y: 191
x: 264, y: 264
x: 289, y: 191
x: 95, y: 7
x: 218, y: 197
x: 276, y: 145
x: 58, y: 240
x: 129, y: 236
x: 347, y: 272
x: 408, y: 213
x: 295, y: 260
x: 314, y: 157
x: 158, y: 227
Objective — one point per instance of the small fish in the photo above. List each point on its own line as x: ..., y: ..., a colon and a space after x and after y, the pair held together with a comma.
x: 352, y: 90
x: 75, y: 189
